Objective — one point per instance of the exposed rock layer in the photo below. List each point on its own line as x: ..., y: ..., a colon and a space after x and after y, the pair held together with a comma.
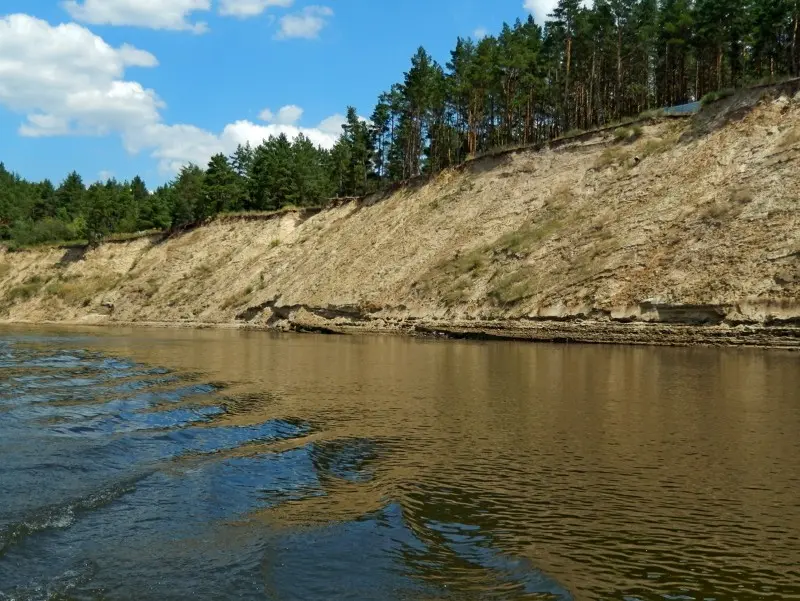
x: 688, y: 234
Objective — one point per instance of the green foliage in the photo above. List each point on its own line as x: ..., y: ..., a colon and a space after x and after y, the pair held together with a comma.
x: 25, y: 291
x: 36, y: 213
x: 220, y: 189
x: 187, y: 192
x: 716, y: 96
x: 582, y: 69
x: 49, y: 229
x: 527, y: 238
x: 623, y: 133
x: 513, y: 288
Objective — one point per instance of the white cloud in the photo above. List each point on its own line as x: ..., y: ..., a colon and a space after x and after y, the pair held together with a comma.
x: 480, y: 33
x: 104, y: 175
x: 250, y: 8
x: 287, y: 115
x: 153, y: 14
x: 66, y: 80
x: 176, y: 145
x: 542, y: 9
x: 305, y: 24
x: 333, y: 124
x: 242, y: 132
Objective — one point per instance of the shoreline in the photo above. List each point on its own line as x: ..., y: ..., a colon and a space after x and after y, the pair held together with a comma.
x: 778, y: 337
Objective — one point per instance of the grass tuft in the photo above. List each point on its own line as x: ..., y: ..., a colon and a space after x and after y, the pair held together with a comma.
x: 742, y: 195
x: 716, y: 96
x: 513, y: 288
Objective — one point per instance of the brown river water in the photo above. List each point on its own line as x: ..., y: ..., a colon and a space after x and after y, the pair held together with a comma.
x: 176, y: 464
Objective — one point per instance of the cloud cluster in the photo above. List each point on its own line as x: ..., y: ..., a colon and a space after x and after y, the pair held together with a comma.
x: 177, y: 14
x: 176, y: 145
x: 153, y: 14
x: 66, y: 80
x: 307, y: 23
x: 287, y: 115
x: 250, y: 8
x: 542, y: 9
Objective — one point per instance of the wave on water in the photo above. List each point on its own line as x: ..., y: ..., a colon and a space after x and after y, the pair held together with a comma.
x: 55, y: 589
x: 63, y: 515
x: 146, y: 470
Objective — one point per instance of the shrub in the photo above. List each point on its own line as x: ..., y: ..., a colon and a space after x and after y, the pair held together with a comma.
x: 622, y: 133
x: 716, y: 96
x: 653, y: 114
x: 27, y: 233
x: 609, y: 157
x: 74, y: 291
x: 655, y: 146
x: 574, y: 133
x: 513, y: 288
x: 528, y: 237
x: 23, y: 292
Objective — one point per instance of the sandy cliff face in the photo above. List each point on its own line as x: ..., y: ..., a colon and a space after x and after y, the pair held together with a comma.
x: 678, y: 226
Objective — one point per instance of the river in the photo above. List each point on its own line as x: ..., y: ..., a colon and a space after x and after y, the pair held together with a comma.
x: 140, y: 464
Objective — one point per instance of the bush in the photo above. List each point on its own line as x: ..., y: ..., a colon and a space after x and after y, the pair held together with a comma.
x: 609, y: 157
x: 653, y: 114
x: 27, y: 233
x: 716, y: 96
x: 622, y: 133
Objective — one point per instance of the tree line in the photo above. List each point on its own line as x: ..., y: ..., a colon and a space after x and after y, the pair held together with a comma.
x: 582, y: 68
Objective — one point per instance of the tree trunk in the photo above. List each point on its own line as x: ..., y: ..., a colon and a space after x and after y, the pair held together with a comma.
x: 590, y: 100
x: 566, y: 85
x: 618, y: 92
x: 795, y: 69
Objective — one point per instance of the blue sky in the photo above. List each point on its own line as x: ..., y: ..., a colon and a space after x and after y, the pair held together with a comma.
x: 126, y: 87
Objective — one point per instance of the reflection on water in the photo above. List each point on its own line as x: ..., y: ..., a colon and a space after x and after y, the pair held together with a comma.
x: 146, y: 464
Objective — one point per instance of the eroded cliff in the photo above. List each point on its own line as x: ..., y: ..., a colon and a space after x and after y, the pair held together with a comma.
x: 684, y: 232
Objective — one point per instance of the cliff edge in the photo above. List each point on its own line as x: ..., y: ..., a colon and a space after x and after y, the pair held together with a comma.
x: 677, y: 231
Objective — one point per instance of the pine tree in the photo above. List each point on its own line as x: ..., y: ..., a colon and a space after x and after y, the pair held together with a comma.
x: 242, y: 163
x: 70, y: 196
x: 360, y: 152
x: 380, y: 133
x: 220, y: 189
x: 565, y: 23
x: 100, y: 214
x: 45, y: 204
x: 188, y: 190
